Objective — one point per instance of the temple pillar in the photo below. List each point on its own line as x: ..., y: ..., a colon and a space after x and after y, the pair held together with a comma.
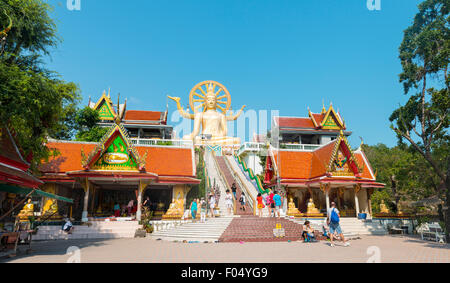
x: 357, y: 189
x: 369, y: 198
x: 142, y: 186
x: 325, y: 188
x: 85, y: 185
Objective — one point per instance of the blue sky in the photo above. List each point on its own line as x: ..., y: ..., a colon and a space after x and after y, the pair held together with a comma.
x: 273, y: 55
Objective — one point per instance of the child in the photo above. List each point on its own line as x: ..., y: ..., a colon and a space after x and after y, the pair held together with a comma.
x: 203, y: 210
x: 242, y: 201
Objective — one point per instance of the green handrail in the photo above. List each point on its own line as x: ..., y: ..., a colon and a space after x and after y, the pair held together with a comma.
x: 252, y: 175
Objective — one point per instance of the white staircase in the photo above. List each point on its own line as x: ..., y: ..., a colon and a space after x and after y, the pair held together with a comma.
x: 98, y: 230
x: 210, y: 231
x: 214, y: 174
x: 249, y: 186
x: 350, y: 226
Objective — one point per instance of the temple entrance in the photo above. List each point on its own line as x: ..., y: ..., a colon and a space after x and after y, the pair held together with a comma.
x: 302, y: 197
x: 106, y: 199
x: 160, y: 199
x: 345, y: 201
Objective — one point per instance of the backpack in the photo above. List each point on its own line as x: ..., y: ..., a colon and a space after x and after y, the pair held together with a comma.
x: 334, y: 218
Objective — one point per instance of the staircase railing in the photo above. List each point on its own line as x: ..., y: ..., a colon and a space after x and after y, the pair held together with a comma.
x: 252, y: 200
x: 249, y: 172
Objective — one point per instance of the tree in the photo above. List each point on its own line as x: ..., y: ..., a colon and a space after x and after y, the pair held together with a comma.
x: 424, y: 120
x: 86, y: 125
x: 404, y: 172
x: 34, y: 101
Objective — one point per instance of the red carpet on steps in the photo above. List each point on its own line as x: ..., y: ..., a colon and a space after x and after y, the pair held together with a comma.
x: 255, y: 229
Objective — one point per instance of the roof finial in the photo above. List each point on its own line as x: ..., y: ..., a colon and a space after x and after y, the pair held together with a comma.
x: 323, y: 107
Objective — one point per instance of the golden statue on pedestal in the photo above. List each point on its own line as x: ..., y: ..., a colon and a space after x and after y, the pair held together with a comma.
x: 383, y: 208
x: 27, y: 211
x: 176, y: 208
x: 206, y: 116
x: 292, y: 210
x: 312, y: 208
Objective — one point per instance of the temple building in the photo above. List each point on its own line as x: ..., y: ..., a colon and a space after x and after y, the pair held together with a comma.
x: 141, y: 125
x: 131, y: 162
x: 114, y: 171
x: 314, y: 164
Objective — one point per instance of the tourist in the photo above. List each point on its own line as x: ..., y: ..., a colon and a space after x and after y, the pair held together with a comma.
x: 229, y: 201
x: 269, y: 204
x: 203, y: 206
x: 308, y: 232
x: 259, y: 199
x: 117, y: 210
x: 147, y: 203
x: 68, y: 226
x: 277, y: 202
x: 212, y: 204
x: 233, y: 189
x: 326, y: 230
x: 272, y: 203
x: 130, y: 207
x: 193, y: 209
x: 242, y: 201
x: 333, y: 218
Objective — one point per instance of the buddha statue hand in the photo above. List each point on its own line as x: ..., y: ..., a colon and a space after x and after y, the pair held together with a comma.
x: 234, y: 117
x: 183, y: 113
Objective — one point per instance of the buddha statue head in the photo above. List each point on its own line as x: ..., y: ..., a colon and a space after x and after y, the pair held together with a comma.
x: 210, y: 100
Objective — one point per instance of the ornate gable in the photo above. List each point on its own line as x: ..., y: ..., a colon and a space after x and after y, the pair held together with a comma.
x: 332, y: 121
x: 343, y: 161
x: 114, y: 152
x: 105, y: 108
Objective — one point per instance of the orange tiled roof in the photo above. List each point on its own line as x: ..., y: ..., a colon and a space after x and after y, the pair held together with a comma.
x: 164, y: 161
x: 69, y: 157
x: 304, y: 166
x: 295, y: 122
x: 366, y: 167
x: 318, y: 118
x: 135, y: 115
x: 294, y: 164
x: 321, y: 159
x: 168, y: 161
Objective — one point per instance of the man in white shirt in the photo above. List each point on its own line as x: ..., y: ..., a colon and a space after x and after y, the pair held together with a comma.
x: 333, y: 218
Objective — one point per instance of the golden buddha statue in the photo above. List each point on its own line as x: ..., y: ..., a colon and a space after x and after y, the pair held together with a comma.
x: 176, y: 208
x: 212, y: 122
x: 292, y: 210
x: 27, y: 211
x: 312, y: 208
x: 383, y: 207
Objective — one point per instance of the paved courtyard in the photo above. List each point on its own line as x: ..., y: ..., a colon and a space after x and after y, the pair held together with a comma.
x: 385, y: 248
